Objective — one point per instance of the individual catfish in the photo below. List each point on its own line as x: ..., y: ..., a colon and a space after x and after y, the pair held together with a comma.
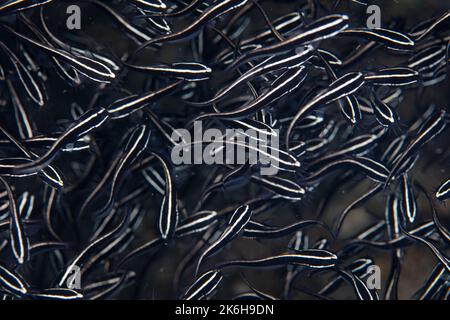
x: 49, y: 175
x: 393, y: 77
x: 213, y: 12
x: 168, y: 214
x: 271, y: 64
x: 255, y: 230
x: 430, y: 129
x: 11, y: 281
x: 189, y: 71
x: 13, y: 6
x: 124, y: 107
x: 136, y: 144
x: 19, y: 240
x: 30, y: 84
x: 283, y: 85
x: 88, y: 122
x: 80, y: 258
x: 392, y: 39
x: 136, y: 33
x: 323, y: 28
x: 91, y: 68
x: 235, y: 225
x: 408, y: 201
x: 285, y: 188
x: 56, y: 294
x: 443, y: 191
x: 372, y: 168
x: 310, y: 258
x: 204, y: 285
x: 149, y: 4
x: 342, y: 87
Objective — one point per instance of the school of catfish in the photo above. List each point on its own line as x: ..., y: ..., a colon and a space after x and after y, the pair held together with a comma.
x: 92, y: 188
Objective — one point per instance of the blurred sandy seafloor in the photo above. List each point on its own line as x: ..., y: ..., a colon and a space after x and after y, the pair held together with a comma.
x: 157, y: 271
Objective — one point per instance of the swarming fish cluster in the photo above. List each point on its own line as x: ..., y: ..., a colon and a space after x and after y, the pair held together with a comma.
x: 93, y: 205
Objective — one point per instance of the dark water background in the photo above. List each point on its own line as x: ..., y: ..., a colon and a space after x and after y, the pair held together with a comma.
x: 157, y: 270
